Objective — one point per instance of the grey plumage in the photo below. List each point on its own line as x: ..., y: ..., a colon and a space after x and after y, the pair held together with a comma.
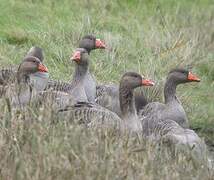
x: 95, y: 115
x: 55, y: 99
x: 107, y: 95
x: 8, y: 75
x: 162, y: 121
x: 83, y: 85
x: 171, y: 133
x: 31, y: 77
x: 91, y: 115
x: 88, y: 43
x: 37, y: 52
x: 172, y: 109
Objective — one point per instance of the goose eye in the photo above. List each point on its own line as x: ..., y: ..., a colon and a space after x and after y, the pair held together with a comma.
x: 135, y: 76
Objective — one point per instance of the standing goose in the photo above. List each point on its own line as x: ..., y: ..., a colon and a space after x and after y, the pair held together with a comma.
x: 89, y: 43
x: 32, y: 77
x: 8, y: 75
x: 172, y: 109
x: 95, y: 115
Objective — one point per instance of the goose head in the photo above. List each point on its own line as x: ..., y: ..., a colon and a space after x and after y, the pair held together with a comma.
x: 81, y: 57
x: 179, y: 76
x: 132, y: 80
x: 36, y: 52
x: 90, y: 42
x: 32, y: 71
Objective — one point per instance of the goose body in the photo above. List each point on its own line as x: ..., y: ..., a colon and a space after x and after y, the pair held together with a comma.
x: 55, y: 99
x: 67, y: 94
x: 108, y: 96
x: 172, y: 109
x: 171, y: 133
x: 83, y: 85
x: 87, y: 44
x: 31, y: 78
x: 167, y: 121
x: 90, y: 114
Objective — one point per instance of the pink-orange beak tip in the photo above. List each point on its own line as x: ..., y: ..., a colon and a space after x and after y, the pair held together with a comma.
x: 42, y: 68
x: 147, y: 82
x: 192, y: 77
x: 100, y: 44
x: 76, y: 56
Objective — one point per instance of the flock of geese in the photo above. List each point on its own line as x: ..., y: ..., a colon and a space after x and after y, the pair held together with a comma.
x: 111, y: 106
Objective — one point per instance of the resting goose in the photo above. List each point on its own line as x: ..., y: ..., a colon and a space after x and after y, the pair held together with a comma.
x: 8, y: 75
x: 89, y: 43
x: 31, y: 78
x: 128, y: 83
x: 168, y: 121
x: 172, y: 109
x: 83, y: 85
x: 95, y: 115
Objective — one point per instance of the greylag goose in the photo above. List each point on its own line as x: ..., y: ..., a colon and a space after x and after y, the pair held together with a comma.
x: 89, y: 43
x: 8, y: 75
x: 83, y: 86
x: 165, y: 121
x: 128, y: 83
x: 95, y: 115
x: 31, y: 77
x: 172, y: 109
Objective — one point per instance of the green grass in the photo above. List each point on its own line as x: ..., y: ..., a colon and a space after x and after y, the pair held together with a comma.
x: 149, y: 37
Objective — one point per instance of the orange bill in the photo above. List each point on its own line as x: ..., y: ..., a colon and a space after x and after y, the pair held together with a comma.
x: 76, y: 56
x: 100, y: 44
x: 192, y: 77
x: 42, y: 68
x: 147, y: 82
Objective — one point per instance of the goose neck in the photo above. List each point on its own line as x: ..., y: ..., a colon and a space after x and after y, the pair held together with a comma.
x: 170, y: 90
x: 127, y: 102
x: 80, y: 72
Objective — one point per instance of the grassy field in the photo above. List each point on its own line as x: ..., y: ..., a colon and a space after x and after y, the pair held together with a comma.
x: 146, y: 36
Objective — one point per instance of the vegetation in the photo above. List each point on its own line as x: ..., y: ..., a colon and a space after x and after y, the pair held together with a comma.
x: 146, y: 36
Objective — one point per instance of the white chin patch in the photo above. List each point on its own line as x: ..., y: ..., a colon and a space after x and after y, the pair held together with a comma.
x: 39, y: 80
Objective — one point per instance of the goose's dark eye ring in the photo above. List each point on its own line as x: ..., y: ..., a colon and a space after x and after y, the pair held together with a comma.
x: 135, y: 76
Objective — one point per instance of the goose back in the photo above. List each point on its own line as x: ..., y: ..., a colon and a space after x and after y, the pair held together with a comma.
x: 55, y: 99
x: 171, y: 133
x: 91, y: 115
x: 7, y: 75
x: 108, y: 96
